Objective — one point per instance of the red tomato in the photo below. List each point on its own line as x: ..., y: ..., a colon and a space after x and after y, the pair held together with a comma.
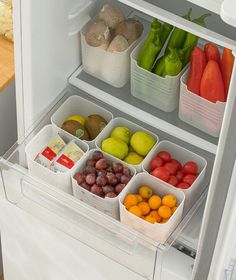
x: 183, y: 185
x: 178, y: 164
x: 190, y: 167
x: 189, y: 179
x: 156, y: 162
x: 161, y: 173
x: 171, y: 167
x: 173, y: 181
x: 165, y: 156
x: 179, y: 175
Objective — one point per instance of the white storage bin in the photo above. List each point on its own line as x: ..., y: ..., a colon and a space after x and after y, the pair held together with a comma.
x: 123, y: 122
x: 182, y: 155
x: 158, y: 232
x: 110, y: 67
x: 62, y: 180
x: 160, y: 92
x: 75, y: 105
x: 198, y: 111
x: 109, y: 206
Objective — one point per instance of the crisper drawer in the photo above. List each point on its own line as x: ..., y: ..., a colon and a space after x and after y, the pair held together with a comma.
x: 80, y: 221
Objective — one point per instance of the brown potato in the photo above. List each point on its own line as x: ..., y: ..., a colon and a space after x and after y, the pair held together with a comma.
x: 111, y: 15
x: 98, y: 35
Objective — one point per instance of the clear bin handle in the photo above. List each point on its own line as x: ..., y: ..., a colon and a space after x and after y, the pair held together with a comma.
x: 81, y: 220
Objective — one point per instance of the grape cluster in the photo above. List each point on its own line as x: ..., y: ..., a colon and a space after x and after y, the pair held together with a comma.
x: 103, y: 178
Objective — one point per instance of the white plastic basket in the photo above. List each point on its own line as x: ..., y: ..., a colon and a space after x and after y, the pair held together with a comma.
x: 123, y: 122
x: 160, y: 92
x: 112, y: 68
x: 109, y: 206
x: 158, y: 232
x: 75, y: 105
x: 199, y: 112
x: 62, y: 180
x: 182, y: 155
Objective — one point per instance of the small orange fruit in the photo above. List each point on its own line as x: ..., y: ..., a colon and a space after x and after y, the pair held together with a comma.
x: 151, y: 219
x: 173, y: 209
x: 145, y: 209
x: 155, y: 214
x: 169, y: 200
x: 130, y: 200
x: 154, y: 201
x: 135, y: 210
x: 164, y: 220
x: 139, y: 197
x: 164, y: 212
x: 145, y: 191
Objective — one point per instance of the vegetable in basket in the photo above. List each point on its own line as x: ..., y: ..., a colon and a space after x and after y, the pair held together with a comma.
x: 227, y: 63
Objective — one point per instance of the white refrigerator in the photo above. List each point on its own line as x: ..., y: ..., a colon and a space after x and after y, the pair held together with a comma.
x: 48, y: 234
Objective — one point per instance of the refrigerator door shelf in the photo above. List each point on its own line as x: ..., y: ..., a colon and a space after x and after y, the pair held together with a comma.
x: 77, y: 219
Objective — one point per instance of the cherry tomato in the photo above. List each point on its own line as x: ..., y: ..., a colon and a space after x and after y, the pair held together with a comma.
x: 165, y: 156
x: 182, y: 185
x: 173, y: 181
x: 156, y: 162
x: 179, y: 175
x: 178, y: 164
x: 172, y: 167
x: 161, y: 173
x: 190, y: 167
x: 189, y: 179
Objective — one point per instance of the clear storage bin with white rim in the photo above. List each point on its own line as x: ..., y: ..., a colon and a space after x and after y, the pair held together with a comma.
x: 158, y: 232
x: 160, y: 92
x: 111, y: 67
x: 109, y: 206
x: 199, y: 112
x: 123, y: 122
x: 61, y: 180
x: 76, y: 105
x: 182, y: 155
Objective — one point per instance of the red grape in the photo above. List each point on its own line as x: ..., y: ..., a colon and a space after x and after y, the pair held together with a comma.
x: 97, y: 190
x: 90, y: 179
x: 111, y: 195
x: 112, y: 180
x: 156, y: 162
x: 101, y: 180
x: 85, y: 186
x: 117, y: 167
x: 91, y: 162
x: 126, y: 171
x: 119, y: 188
x: 107, y: 188
x: 79, y: 177
x: 89, y: 170
x: 97, y: 155
x: 125, y: 179
x: 118, y: 176
x: 101, y: 172
x: 102, y: 164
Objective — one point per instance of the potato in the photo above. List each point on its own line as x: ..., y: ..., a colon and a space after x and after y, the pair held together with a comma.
x: 130, y: 28
x: 111, y: 15
x: 118, y: 44
x: 98, y: 35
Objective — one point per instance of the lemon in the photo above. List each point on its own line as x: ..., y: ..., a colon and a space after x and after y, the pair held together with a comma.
x: 133, y: 158
x: 142, y: 142
x: 115, y: 147
x: 78, y: 118
x: 122, y: 133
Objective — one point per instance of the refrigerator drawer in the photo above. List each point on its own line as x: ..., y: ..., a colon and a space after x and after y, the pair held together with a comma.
x: 80, y: 221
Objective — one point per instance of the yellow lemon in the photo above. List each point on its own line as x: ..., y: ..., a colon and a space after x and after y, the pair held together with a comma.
x: 115, y: 147
x: 142, y: 142
x: 122, y: 133
x: 133, y: 158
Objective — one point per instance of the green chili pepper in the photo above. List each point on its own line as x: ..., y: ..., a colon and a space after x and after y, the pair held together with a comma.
x: 173, y: 64
x: 178, y: 35
x: 160, y: 66
x: 155, y: 27
x: 166, y: 28
x: 152, y: 51
x: 192, y: 40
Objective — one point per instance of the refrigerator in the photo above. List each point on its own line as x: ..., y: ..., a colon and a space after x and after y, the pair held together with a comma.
x: 48, y: 234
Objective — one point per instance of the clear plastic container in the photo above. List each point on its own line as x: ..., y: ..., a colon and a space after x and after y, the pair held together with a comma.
x: 199, y: 112
x: 160, y: 92
x: 158, y: 232
x: 109, y: 206
x: 111, y: 67
x: 182, y: 155
x: 75, y: 105
x: 61, y: 180
x: 123, y: 122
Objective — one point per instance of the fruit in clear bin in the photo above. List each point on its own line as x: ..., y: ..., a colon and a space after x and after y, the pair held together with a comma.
x: 165, y: 156
x: 173, y: 181
x: 101, y: 180
x: 112, y: 179
x: 111, y: 195
x: 164, y: 212
x: 182, y: 185
x: 94, y: 125
x: 89, y: 169
x: 145, y: 209
x: 155, y: 214
x: 117, y: 167
x: 154, y: 202
x: 130, y: 200
x: 171, y: 167
x: 78, y: 118
x: 90, y: 179
x: 189, y: 179
x: 119, y: 188
x: 156, y: 162
x: 169, y: 200
x: 190, y: 168
x: 135, y: 210
x: 145, y: 191
x: 91, y: 162
x: 151, y: 219
x: 107, y: 188
x: 139, y: 197
x: 85, y: 186
x: 161, y: 173
x: 142, y: 142
x: 173, y: 209
x: 115, y: 147
x: 179, y: 176
x: 118, y: 176
x: 102, y: 164
x: 122, y: 133
x: 177, y: 163
x: 125, y: 179
x: 79, y: 177
x: 97, y: 155
x: 126, y: 171
x: 96, y: 189
x: 76, y: 129
x: 133, y: 158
